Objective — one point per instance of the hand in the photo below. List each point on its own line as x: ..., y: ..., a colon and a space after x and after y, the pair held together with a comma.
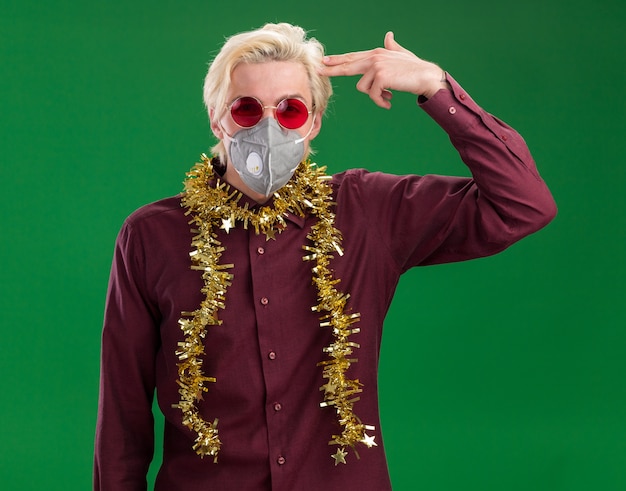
x: 385, y: 69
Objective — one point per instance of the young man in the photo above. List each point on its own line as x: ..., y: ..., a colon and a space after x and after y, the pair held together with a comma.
x: 247, y: 300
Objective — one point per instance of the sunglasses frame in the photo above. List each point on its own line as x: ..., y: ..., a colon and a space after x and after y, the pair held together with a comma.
x: 268, y: 106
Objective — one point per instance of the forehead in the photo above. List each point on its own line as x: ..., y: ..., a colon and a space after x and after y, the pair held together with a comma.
x: 270, y: 81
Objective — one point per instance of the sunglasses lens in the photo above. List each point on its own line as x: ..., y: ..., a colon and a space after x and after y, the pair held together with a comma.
x: 292, y: 113
x: 246, y: 111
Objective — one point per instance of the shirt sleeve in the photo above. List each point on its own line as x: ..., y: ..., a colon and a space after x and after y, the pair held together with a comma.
x: 435, y: 219
x: 125, y: 428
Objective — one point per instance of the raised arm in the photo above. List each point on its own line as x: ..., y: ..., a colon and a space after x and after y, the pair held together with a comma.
x: 439, y: 218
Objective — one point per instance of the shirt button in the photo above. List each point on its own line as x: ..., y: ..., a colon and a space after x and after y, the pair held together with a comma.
x: 504, y: 138
x: 260, y: 251
x: 277, y: 406
x: 271, y: 355
x: 462, y: 97
x: 281, y: 460
x: 452, y: 110
x: 264, y: 301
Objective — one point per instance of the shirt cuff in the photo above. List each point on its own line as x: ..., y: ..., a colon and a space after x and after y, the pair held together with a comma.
x: 453, y: 110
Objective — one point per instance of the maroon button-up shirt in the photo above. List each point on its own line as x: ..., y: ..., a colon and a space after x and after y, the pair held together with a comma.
x: 274, y: 433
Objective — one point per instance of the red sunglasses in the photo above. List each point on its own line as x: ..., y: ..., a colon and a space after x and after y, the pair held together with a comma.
x: 248, y: 111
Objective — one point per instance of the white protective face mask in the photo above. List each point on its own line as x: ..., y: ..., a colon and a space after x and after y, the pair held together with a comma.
x: 266, y: 155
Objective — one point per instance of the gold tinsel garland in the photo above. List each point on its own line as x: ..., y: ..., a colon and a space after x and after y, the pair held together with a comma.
x: 212, y: 203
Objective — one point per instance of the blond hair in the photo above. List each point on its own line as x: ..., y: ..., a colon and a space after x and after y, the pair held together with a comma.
x: 272, y: 42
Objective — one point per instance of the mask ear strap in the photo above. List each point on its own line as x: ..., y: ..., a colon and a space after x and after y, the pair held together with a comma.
x: 226, y: 135
x: 300, y: 140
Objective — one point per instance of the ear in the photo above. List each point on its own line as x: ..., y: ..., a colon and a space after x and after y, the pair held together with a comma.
x: 216, y: 128
x: 317, y: 125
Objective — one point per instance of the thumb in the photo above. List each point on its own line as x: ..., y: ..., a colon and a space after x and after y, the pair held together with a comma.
x: 391, y: 44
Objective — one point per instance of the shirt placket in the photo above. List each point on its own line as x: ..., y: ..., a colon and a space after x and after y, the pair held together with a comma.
x: 266, y: 301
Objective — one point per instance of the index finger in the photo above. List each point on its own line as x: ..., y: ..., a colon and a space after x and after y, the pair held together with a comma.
x: 345, y: 64
x: 332, y: 60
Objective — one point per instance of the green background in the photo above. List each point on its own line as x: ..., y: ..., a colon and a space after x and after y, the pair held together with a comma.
x: 505, y: 373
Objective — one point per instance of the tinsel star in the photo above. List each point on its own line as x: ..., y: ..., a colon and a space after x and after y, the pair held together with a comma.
x: 270, y: 233
x: 340, y: 456
x: 369, y: 441
x: 227, y: 224
x: 329, y: 388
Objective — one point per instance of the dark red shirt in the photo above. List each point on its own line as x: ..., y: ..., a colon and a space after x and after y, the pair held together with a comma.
x: 274, y: 433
